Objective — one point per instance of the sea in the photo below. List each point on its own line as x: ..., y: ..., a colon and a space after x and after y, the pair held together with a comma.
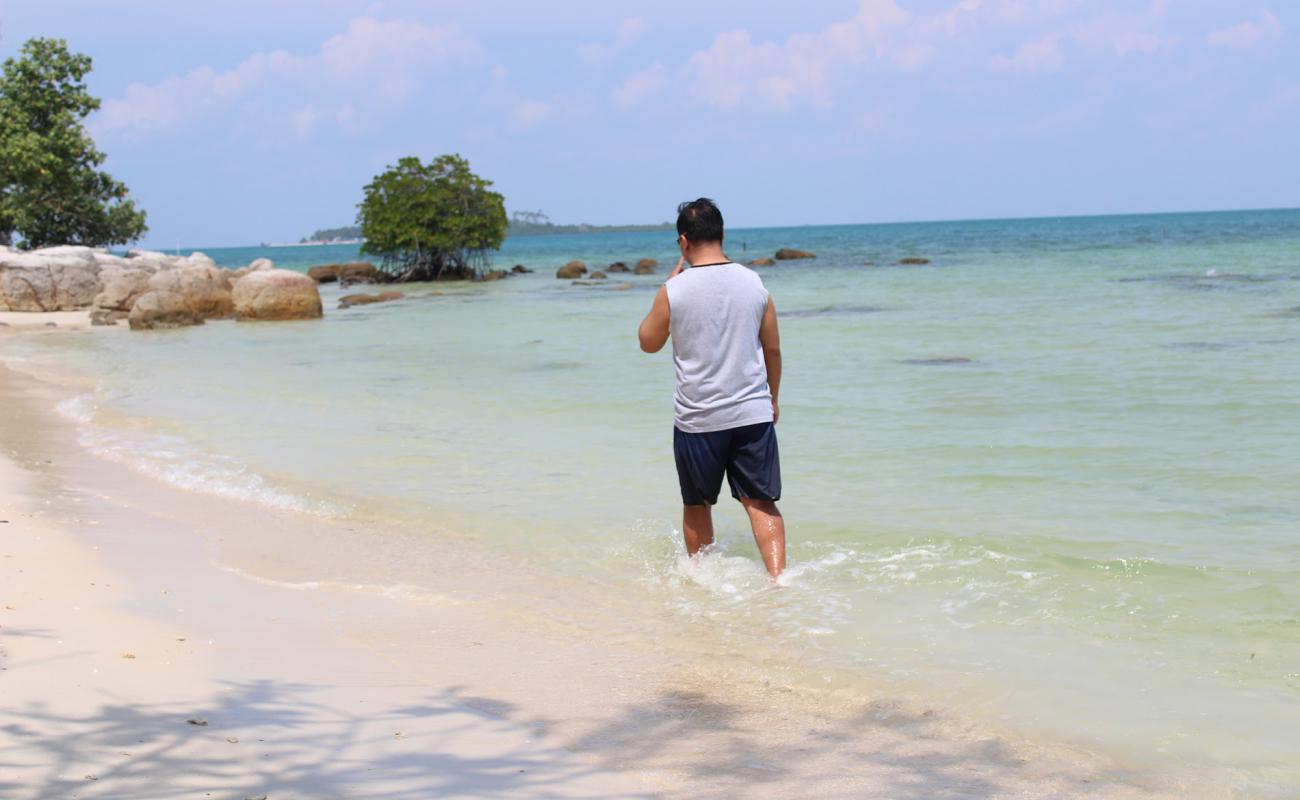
x: 1049, y: 478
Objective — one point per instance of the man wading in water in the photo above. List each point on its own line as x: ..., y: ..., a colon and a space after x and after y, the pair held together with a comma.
x: 728, y: 357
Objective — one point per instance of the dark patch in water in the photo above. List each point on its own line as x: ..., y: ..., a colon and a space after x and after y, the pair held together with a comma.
x: 1205, y: 346
x: 943, y: 361
x: 832, y: 311
x: 1209, y: 281
x: 555, y: 366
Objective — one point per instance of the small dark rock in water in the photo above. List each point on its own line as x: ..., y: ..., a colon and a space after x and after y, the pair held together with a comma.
x: 913, y: 260
x: 573, y: 269
x: 938, y: 362
x: 494, y: 275
x: 762, y: 262
x: 520, y: 269
x: 644, y: 269
x: 598, y: 276
x: 51, y: 324
x: 831, y: 311
x: 791, y: 254
x: 349, y: 300
x: 647, y: 262
x: 617, y: 266
x: 197, y: 721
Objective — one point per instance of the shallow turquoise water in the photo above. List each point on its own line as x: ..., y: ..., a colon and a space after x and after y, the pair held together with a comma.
x: 1086, y: 526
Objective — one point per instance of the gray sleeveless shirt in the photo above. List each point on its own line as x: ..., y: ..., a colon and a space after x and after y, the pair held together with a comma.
x: 714, y: 315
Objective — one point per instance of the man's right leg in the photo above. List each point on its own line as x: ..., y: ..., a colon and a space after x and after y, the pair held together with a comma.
x: 697, y: 527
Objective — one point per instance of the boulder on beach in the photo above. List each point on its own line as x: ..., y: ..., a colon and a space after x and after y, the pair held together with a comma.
x: 276, y: 294
x: 617, y: 266
x: 120, y: 288
x: 53, y: 279
x: 256, y: 265
x: 913, y: 260
x: 598, y: 276
x: 647, y: 262
x: 185, y: 294
x: 573, y: 269
x: 791, y: 254
x: 762, y: 262
x: 643, y: 269
x: 350, y: 272
x: 520, y: 269
x: 349, y: 300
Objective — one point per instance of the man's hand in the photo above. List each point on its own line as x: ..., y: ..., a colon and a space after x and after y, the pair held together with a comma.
x: 681, y: 265
x: 776, y: 412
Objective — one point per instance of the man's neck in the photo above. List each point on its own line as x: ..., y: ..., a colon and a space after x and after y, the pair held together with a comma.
x: 707, y: 254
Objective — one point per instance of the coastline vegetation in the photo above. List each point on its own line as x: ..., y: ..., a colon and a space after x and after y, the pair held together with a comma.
x: 433, y: 221
x: 52, y: 191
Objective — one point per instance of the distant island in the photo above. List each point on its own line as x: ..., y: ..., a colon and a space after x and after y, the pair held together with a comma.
x: 522, y: 223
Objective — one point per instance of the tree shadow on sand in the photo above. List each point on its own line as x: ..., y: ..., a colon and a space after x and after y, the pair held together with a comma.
x: 288, y: 740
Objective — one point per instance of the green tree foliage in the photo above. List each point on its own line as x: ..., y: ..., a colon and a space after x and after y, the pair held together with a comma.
x: 51, y: 188
x: 431, y: 222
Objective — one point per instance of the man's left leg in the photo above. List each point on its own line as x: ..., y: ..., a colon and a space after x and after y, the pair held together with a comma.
x: 769, y: 532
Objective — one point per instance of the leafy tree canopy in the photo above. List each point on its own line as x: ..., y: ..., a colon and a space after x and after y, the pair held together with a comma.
x: 51, y: 188
x: 431, y: 221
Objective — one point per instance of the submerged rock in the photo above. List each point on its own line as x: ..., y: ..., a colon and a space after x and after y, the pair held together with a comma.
x: 643, y: 268
x: 520, y: 269
x: 598, y: 276
x: 913, y: 261
x: 617, y: 266
x: 573, y: 269
x: 276, y: 294
x: 349, y: 300
x: 791, y: 254
x: 494, y: 275
x: 647, y: 262
x: 762, y: 262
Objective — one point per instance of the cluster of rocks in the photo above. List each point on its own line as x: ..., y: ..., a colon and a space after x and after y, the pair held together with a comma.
x: 576, y: 269
x: 151, y: 289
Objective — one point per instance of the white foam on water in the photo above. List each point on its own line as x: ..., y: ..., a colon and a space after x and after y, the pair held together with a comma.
x: 176, y: 462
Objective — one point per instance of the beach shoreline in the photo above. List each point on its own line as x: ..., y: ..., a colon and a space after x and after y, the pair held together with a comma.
x: 476, y: 689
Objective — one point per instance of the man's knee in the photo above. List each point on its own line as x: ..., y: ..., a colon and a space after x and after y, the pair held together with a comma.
x: 759, y: 504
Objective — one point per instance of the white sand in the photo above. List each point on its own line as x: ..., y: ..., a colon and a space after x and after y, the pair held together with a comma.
x: 341, y: 691
x: 49, y: 319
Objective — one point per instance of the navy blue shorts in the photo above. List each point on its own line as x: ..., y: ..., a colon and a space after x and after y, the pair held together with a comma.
x: 746, y: 454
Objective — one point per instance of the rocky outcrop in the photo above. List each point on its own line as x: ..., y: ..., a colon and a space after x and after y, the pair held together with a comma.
x: 255, y: 266
x: 120, y: 288
x: 913, y: 261
x: 791, y: 254
x: 274, y: 294
x: 573, y: 269
x: 598, y: 276
x: 187, y: 294
x: 351, y: 272
x: 643, y: 268
x: 520, y: 269
x: 762, y: 262
x: 646, y: 262
x: 52, y: 279
x: 349, y: 300
x: 617, y: 266
x: 494, y: 275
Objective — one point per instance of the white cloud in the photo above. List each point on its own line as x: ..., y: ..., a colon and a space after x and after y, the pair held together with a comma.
x: 640, y: 86
x: 629, y: 31
x: 1266, y: 30
x: 1038, y: 56
x: 373, y: 65
x: 736, y: 71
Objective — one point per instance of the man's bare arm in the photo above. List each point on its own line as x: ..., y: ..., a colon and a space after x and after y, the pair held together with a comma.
x: 653, y: 332
x: 770, y: 337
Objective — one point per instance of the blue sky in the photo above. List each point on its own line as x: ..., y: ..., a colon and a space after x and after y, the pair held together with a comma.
x: 239, y: 122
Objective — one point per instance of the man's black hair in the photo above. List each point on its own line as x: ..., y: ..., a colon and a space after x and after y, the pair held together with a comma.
x: 699, y: 221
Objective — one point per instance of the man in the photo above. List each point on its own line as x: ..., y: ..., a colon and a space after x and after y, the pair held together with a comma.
x: 728, y: 357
